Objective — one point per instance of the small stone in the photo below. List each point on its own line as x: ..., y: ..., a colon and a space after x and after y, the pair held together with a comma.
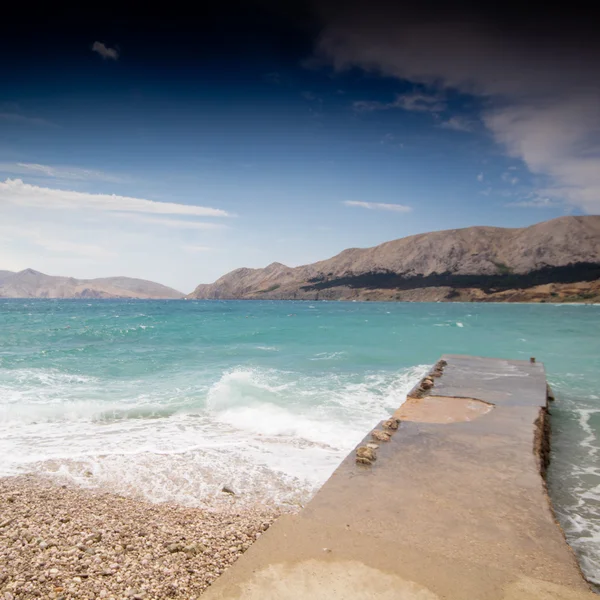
x: 391, y: 424
x: 366, y: 452
x: 228, y: 490
x: 76, y: 579
x: 372, y: 445
x: 380, y: 436
x: 193, y: 549
x: 7, y: 522
x: 426, y: 384
x: 95, y: 537
x: 176, y: 547
x: 8, y: 596
x: 43, y: 545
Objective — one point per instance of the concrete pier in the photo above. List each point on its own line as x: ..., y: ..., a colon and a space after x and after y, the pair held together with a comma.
x: 453, y: 507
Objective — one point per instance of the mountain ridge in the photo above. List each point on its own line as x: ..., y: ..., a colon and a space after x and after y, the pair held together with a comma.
x: 472, y: 263
x: 30, y: 283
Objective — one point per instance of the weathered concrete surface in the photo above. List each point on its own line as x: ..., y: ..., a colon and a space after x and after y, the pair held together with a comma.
x: 453, y: 508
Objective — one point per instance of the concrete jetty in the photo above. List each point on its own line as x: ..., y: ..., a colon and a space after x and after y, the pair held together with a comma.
x: 452, y: 506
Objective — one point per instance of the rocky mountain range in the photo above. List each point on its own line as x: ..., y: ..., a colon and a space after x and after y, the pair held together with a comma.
x: 33, y: 284
x: 557, y: 260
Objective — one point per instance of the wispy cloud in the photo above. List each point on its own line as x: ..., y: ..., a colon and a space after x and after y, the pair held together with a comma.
x: 194, y: 248
x: 173, y: 223
x: 58, y: 246
x: 480, y: 177
x: 81, y: 250
x: 310, y: 96
x: 58, y: 172
x: 379, y: 206
x: 389, y: 139
x: 534, y: 203
x: 14, y: 117
x: 273, y: 77
x: 104, y: 51
x: 14, y: 191
x: 414, y: 102
x: 458, y: 123
x: 510, y: 178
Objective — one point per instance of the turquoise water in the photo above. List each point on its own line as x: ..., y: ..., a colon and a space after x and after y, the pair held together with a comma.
x: 171, y: 399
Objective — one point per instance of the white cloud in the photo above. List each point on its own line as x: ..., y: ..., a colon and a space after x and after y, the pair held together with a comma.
x: 15, y: 192
x: 558, y: 138
x: 415, y: 102
x: 540, y: 93
x: 534, y: 203
x: 87, y: 235
x: 309, y: 96
x: 510, y: 178
x: 81, y: 250
x: 379, y: 206
x: 54, y: 245
x: 14, y: 117
x: 173, y: 223
x: 58, y: 172
x: 457, y: 123
x: 480, y: 177
x: 195, y: 248
x: 104, y: 51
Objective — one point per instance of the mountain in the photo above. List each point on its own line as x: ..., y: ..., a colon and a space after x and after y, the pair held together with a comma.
x: 33, y: 284
x: 554, y: 260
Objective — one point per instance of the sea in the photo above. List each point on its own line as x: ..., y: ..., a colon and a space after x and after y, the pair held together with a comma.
x: 172, y: 400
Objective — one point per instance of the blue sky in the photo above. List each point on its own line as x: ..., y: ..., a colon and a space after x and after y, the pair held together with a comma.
x: 269, y: 151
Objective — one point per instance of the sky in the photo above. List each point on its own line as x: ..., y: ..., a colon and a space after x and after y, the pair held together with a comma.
x: 177, y: 148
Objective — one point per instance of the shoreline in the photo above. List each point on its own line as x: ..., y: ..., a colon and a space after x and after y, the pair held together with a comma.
x: 66, y: 542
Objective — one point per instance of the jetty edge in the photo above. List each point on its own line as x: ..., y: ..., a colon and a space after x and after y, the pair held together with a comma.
x: 450, y: 503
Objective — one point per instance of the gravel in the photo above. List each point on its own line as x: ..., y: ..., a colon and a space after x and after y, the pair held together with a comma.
x: 62, y: 542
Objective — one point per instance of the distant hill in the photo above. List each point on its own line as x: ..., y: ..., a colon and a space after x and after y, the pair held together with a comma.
x: 33, y: 284
x: 556, y: 260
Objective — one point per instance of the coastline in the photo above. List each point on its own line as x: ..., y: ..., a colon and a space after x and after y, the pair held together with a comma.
x: 583, y: 292
x: 65, y: 542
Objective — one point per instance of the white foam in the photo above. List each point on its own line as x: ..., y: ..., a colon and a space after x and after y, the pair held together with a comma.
x: 274, y: 435
x: 590, y: 440
x: 328, y: 356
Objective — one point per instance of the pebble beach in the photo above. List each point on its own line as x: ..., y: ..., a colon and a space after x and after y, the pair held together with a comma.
x: 62, y: 542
